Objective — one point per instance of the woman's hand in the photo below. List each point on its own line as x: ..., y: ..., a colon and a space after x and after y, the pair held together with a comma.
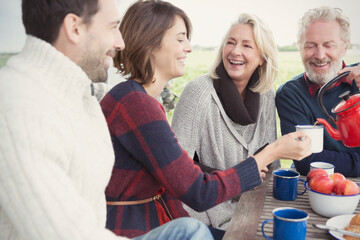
x: 295, y: 145
x: 263, y: 173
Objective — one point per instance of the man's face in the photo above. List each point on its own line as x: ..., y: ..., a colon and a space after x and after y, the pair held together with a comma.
x: 101, y: 41
x: 322, y: 50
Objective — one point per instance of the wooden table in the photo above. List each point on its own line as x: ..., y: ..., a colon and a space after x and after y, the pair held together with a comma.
x: 257, y: 205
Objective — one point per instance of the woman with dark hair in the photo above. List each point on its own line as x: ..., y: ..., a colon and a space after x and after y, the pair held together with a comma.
x: 152, y: 174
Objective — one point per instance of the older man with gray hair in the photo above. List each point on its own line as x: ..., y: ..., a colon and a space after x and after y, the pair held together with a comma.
x: 323, y: 40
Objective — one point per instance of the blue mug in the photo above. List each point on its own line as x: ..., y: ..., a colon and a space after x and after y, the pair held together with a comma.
x: 285, y: 184
x: 289, y: 224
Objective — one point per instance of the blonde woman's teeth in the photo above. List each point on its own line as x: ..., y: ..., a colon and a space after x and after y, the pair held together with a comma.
x: 237, y: 62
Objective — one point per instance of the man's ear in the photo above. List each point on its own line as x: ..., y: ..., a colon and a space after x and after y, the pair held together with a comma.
x: 73, y: 27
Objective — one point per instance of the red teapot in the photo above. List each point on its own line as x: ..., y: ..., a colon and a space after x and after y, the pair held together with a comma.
x: 347, y: 115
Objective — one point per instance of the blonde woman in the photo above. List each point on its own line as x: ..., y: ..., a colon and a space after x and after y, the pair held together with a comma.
x: 225, y: 116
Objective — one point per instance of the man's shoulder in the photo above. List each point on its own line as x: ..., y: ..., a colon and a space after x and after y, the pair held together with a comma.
x: 293, y: 83
x: 17, y: 88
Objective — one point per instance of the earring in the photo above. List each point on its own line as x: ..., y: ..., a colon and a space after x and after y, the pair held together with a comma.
x: 153, y: 81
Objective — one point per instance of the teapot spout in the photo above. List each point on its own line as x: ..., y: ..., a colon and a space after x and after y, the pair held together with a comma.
x: 334, y: 133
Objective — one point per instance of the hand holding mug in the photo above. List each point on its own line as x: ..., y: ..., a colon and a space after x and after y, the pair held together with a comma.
x: 289, y: 146
x: 316, y: 133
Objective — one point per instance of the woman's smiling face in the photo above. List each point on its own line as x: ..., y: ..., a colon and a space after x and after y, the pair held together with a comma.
x: 169, y: 59
x: 241, y: 55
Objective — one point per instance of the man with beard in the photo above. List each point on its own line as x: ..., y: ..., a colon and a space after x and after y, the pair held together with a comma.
x: 56, y: 154
x: 323, y: 40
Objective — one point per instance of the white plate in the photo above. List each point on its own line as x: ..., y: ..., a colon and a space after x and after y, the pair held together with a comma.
x: 340, y: 221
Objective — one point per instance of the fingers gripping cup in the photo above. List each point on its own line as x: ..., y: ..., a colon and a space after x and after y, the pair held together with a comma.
x: 316, y: 133
x: 289, y: 224
x: 285, y: 184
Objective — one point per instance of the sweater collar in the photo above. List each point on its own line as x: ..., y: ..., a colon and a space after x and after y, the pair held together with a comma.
x: 51, y: 69
x: 313, y: 87
x: 239, y: 111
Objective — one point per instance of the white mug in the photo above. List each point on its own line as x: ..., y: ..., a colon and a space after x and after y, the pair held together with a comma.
x: 328, y: 167
x: 316, y: 133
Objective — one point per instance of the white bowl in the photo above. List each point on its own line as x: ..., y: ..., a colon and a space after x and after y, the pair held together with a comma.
x: 329, y: 205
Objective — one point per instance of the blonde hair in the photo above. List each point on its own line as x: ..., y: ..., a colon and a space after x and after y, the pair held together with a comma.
x: 327, y: 14
x: 265, y: 42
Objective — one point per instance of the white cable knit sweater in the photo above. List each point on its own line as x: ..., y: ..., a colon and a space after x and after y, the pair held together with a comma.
x: 201, y: 124
x: 56, y: 154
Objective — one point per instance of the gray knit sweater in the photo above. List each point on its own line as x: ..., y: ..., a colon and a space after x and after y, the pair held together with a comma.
x: 201, y: 125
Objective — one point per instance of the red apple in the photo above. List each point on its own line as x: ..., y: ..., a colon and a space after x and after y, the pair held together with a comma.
x: 321, y: 183
x: 315, y: 172
x: 339, y: 187
x: 347, y: 187
x: 337, y: 177
x: 351, y: 188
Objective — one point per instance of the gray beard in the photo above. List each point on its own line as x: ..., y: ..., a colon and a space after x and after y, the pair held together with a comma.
x: 320, y: 78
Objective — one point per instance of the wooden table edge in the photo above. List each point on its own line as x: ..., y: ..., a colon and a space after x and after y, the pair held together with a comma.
x: 246, y: 217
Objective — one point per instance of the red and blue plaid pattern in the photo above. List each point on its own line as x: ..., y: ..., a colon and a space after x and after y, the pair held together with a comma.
x: 148, y: 157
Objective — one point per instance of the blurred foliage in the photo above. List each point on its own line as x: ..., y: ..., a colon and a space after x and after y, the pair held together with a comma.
x: 288, y: 48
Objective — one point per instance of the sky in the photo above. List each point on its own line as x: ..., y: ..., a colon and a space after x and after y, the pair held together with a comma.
x: 210, y: 18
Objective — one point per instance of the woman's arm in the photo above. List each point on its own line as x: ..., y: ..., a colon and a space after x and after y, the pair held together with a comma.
x: 142, y: 128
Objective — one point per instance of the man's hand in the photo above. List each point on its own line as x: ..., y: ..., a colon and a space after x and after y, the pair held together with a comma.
x: 354, y: 74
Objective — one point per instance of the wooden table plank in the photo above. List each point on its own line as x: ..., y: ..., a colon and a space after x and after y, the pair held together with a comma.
x: 243, y: 224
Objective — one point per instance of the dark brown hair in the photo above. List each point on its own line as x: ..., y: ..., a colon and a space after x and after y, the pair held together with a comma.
x: 143, y: 27
x: 43, y: 18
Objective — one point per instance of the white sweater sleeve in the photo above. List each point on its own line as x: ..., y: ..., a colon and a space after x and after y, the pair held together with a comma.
x: 36, y: 193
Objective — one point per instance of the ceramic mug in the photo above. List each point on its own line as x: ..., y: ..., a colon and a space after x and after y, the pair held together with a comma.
x: 316, y: 133
x: 289, y: 224
x: 328, y: 167
x: 285, y: 184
